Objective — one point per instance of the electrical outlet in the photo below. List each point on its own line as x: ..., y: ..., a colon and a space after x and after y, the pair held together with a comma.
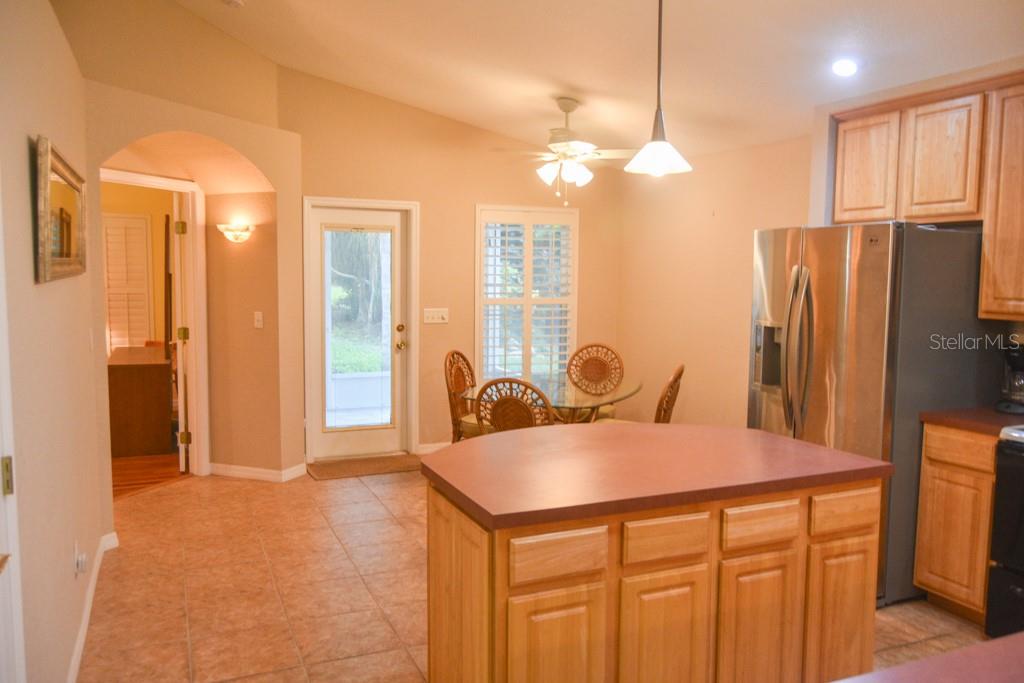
x: 435, y: 316
x: 81, y: 561
x: 257, y: 320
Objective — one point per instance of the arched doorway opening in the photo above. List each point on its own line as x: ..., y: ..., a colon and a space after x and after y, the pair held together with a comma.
x: 191, y: 309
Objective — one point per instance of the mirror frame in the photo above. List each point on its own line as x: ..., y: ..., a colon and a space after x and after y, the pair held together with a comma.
x: 48, y: 266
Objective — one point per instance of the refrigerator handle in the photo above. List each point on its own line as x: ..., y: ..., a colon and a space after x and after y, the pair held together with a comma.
x: 787, y: 396
x: 805, y: 301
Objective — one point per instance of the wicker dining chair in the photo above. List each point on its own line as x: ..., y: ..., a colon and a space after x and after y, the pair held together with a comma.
x: 595, y: 369
x: 459, y: 378
x: 667, y: 400
x: 509, y: 403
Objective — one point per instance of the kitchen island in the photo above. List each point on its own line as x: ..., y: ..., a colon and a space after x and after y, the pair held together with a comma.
x: 642, y: 552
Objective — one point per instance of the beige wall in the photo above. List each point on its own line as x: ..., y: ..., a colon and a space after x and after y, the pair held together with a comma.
x: 154, y: 204
x: 359, y: 145
x: 160, y: 48
x: 242, y: 279
x: 686, y: 255
x: 48, y: 379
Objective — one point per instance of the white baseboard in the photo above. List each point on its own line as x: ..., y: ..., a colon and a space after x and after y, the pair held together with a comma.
x: 427, y: 448
x: 107, y: 542
x: 294, y: 472
x: 259, y: 473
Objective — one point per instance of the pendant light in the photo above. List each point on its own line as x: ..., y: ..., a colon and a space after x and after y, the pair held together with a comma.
x: 658, y: 157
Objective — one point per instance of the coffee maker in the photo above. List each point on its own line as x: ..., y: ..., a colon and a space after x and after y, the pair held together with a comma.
x: 1012, y: 399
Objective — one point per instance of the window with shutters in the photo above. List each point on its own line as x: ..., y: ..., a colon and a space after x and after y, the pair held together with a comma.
x: 126, y: 244
x: 526, y: 292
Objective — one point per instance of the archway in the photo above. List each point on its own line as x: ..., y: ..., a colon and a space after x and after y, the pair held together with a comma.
x: 220, y: 306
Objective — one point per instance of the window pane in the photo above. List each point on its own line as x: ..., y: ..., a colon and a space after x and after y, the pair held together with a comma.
x: 552, y: 261
x: 503, y: 340
x: 550, y: 348
x: 504, y: 260
x: 357, y: 317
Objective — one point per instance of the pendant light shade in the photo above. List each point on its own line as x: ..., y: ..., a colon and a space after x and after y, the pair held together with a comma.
x: 658, y: 157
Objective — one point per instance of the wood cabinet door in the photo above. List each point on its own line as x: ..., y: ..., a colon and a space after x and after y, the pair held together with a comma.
x: 759, y: 615
x: 1002, y: 261
x: 954, y: 520
x: 867, y: 157
x: 940, y: 160
x: 840, y: 627
x: 664, y: 626
x: 558, y: 636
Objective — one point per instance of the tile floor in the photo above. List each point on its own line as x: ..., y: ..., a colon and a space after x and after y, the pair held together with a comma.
x: 222, y: 579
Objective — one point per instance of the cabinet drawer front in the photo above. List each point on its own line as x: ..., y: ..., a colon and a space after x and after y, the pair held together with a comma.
x: 665, y: 537
x: 844, y: 510
x: 760, y: 524
x: 563, y: 553
x: 957, y: 447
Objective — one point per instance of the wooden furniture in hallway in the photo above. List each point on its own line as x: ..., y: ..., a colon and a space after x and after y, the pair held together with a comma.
x: 639, y: 552
x: 140, y: 401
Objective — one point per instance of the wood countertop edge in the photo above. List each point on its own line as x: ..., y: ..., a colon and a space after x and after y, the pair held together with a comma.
x: 981, y: 420
x: 492, y: 522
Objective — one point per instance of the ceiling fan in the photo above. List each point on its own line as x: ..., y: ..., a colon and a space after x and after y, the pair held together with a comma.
x: 565, y: 163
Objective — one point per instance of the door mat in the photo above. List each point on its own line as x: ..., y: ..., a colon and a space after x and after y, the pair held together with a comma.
x: 361, y: 467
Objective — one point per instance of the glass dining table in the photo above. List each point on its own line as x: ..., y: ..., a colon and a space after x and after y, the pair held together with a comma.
x: 570, y: 403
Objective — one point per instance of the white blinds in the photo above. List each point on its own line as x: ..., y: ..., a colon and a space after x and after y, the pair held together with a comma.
x: 527, y: 294
x: 126, y: 240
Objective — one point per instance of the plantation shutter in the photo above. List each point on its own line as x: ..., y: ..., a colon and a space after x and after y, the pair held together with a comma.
x: 527, y: 291
x: 126, y: 241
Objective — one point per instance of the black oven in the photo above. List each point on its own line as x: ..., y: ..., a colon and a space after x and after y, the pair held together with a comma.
x: 1004, y: 612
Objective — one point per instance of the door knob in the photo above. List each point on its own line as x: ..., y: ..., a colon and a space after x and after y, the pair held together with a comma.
x: 400, y: 327
x: 400, y: 345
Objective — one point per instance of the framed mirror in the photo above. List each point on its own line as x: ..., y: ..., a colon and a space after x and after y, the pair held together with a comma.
x: 60, y: 216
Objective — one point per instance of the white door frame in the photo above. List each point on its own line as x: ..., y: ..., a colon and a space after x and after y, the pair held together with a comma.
x: 12, y: 631
x: 196, y: 363
x: 311, y: 259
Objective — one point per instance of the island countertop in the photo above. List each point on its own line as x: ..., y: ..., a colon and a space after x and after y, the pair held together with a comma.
x: 565, y: 472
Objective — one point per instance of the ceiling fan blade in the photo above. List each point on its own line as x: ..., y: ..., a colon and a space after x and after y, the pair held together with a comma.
x: 614, y: 153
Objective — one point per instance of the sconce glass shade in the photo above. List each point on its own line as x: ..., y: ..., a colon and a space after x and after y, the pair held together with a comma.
x: 236, y: 233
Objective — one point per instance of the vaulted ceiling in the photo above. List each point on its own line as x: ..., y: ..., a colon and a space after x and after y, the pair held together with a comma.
x: 738, y: 72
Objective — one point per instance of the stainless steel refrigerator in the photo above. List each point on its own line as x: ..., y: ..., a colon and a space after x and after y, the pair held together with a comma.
x: 854, y: 331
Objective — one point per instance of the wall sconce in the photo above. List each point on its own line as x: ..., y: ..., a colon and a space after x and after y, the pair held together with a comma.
x: 236, y: 232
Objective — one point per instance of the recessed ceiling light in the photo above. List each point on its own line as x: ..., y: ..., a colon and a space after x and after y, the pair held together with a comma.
x: 844, y: 67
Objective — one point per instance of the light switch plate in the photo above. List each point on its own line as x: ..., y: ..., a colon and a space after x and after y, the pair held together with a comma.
x: 435, y: 316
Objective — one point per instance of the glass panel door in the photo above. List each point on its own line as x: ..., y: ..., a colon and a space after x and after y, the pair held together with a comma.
x: 356, y: 333
x: 357, y: 330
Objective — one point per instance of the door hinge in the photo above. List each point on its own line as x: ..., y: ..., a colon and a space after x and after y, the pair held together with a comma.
x: 185, y: 438
x: 180, y: 227
x: 183, y: 333
x: 7, y: 475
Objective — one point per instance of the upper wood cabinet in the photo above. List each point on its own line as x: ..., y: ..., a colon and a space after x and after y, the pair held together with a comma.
x: 940, y: 159
x: 1002, y: 263
x: 867, y: 156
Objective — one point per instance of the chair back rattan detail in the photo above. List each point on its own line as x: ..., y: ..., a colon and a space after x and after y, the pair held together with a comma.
x: 595, y: 369
x: 509, y: 403
x: 458, y: 378
x: 667, y: 402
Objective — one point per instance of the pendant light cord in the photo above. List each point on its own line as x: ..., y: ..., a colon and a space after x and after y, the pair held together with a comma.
x: 660, y: 15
